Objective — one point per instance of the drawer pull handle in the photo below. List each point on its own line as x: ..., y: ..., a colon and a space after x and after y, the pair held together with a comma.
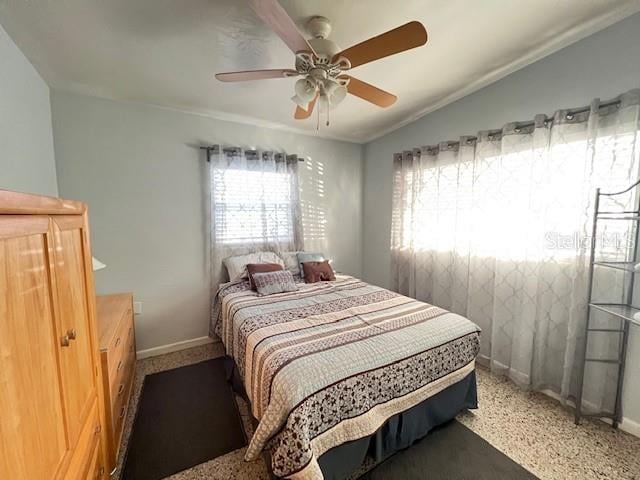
x: 122, y: 412
x: 121, y: 389
x: 98, y: 429
x: 100, y: 473
x: 64, y: 341
x: 119, y: 366
x: 117, y: 342
x: 71, y: 333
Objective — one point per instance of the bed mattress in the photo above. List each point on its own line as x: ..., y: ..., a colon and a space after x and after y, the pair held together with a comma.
x: 331, y: 362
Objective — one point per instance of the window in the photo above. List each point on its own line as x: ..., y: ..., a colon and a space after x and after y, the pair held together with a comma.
x: 252, y: 206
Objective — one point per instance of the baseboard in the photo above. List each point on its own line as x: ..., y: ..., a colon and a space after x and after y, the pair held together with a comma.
x: 626, y: 425
x: 630, y: 426
x: 173, y: 347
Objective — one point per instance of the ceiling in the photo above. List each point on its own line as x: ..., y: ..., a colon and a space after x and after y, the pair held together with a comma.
x: 165, y: 52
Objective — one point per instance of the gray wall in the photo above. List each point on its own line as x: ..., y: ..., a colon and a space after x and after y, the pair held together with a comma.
x: 142, y: 176
x: 602, y: 65
x: 26, y: 143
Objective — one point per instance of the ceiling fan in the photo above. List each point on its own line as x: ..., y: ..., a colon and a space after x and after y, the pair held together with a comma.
x: 322, y: 64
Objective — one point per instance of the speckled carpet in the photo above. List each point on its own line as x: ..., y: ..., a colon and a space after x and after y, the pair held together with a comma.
x: 532, y: 429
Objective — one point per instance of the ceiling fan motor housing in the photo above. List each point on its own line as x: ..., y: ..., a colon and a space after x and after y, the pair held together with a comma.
x: 319, y: 27
x: 321, y: 65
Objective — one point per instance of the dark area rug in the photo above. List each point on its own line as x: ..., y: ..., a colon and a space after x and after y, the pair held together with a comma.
x: 450, y: 452
x: 185, y: 417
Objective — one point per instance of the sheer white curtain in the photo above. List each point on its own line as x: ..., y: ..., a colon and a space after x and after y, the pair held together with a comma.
x: 255, y: 205
x: 496, y: 228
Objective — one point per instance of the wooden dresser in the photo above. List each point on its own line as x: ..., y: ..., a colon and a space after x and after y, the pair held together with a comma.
x: 118, y: 358
x: 50, y: 382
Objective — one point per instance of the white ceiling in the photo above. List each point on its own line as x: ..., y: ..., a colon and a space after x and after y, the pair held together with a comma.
x: 165, y: 52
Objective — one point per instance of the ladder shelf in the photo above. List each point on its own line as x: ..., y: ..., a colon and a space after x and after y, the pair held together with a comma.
x: 624, y: 312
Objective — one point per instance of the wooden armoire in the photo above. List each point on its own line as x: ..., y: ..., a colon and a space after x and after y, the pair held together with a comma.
x: 50, y: 381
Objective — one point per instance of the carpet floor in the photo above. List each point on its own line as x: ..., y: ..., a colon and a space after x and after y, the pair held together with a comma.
x: 532, y: 429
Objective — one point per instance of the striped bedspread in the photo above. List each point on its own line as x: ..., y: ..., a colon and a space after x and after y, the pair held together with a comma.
x: 331, y: 362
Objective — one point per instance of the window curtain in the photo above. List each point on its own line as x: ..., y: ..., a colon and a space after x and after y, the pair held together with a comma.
x: 255, y: 205
x: 496, y: 227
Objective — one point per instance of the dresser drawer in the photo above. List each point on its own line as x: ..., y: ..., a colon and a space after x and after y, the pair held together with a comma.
x: 125, y: 362
x: 118, y: 355
x: 120, y: 404
x: 119, y: 386
x: 120, y: 346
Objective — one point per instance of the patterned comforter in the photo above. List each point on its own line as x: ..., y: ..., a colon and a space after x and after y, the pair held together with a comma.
x: 331, y: 362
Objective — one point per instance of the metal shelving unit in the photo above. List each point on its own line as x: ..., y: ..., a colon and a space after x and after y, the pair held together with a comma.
x: 624, y: 312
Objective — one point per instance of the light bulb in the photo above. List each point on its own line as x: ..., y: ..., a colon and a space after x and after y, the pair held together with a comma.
x: 300, y: 102
x: 305, y: 90
x: 330, y: 87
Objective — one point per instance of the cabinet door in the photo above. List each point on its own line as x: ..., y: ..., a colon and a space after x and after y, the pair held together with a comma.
x: 33, y: 445
x: 73, y: 324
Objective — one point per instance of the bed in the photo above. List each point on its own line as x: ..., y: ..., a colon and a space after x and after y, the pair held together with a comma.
x: 337, y: 370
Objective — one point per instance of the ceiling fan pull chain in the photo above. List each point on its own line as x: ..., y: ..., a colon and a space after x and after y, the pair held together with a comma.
x: 318, y: 120
x: 328, y: 109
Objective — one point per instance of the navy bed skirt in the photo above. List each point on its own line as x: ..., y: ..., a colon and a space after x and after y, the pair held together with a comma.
x: 397, y: 433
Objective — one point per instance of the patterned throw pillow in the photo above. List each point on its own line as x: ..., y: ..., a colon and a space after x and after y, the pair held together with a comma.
x: 254, y: 268
x: 268, y: 283
x: 318, y: 272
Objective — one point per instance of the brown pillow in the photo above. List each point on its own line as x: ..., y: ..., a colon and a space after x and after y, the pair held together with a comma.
x: 317, y: 272
x: 260, y: 268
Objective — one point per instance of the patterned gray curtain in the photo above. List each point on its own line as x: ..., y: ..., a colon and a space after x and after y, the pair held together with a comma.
x: 255, y: 205
x: 496, y: 227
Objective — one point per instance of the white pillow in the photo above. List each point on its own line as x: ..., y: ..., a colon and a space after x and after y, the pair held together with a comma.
x: 291, y: 262
x: 237, y: 266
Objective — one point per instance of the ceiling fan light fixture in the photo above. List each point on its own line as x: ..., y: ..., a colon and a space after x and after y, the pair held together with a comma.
x: 305, y: 90
x: 330, y: 86
x: 333, y: 92
x: 300, y: 102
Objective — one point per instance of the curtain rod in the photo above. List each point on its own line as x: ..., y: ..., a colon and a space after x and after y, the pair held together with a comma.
x: 216, y: 149
x: 573, y: 111
x: 569, y: 115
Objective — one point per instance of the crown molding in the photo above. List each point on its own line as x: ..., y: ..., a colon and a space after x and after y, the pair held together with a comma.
x: 208, y: 113
x: 557, y: 43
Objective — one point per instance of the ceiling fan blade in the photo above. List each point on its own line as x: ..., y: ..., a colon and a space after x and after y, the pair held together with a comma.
x: 302, y: 114
x: 276, y: 18
x: 369, y: 92
x: 405, y: 37
x: 255, y: 75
